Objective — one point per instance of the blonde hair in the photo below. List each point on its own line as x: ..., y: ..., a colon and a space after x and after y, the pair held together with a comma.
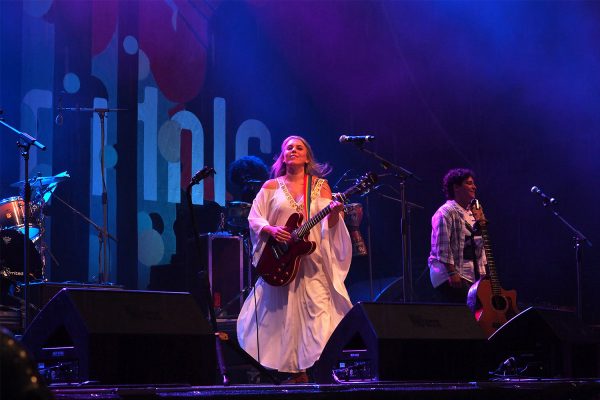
x: 312, y: 167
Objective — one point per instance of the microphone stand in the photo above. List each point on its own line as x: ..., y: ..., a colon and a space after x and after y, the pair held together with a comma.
x: 89, y: 221
x: 24, y: 143
x: 410, y: 206
x: 579, y: 238
x: 207, y: 292
x: 369, y: 248
x: 402, y: 174
x: 204, y: 281
x: 104, y: 266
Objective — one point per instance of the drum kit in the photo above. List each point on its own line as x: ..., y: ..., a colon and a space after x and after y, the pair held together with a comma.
x: 12, y: 235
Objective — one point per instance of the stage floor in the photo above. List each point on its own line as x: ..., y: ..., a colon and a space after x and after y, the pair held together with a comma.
x: 506, y: 389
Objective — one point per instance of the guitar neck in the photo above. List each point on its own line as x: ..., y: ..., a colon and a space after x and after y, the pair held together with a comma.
x: 362, y: 185
x: 308, y: 225
x: 491, y: 266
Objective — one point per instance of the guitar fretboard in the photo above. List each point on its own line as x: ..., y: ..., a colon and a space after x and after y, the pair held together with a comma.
x: 308, y: 225
x: 487, y: 247
x: 363, y: 184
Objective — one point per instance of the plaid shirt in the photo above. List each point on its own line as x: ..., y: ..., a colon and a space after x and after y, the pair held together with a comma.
x: 447, y: 245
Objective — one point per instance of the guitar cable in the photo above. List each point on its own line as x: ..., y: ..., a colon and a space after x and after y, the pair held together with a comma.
x: 256, y: 320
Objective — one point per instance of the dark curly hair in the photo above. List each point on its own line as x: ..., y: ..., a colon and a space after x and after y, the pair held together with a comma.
x: 455, y: 176
x: 248, y: 167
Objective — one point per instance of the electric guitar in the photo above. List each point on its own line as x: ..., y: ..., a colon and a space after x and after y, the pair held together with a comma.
x: 279, y: 262
x: 491, y: 304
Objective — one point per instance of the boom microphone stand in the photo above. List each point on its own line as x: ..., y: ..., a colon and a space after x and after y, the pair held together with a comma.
x: 86, y: 219
x: 207, y: 292
x: 24, y: 143
x: 578, y: 237
x: 204, y: 281
x: 402, y: 174
x: 104, y: 266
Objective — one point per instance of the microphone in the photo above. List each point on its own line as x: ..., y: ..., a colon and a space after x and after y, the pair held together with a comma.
x: 547, y: 199
x: 203, y: 173
x: 356, y: 139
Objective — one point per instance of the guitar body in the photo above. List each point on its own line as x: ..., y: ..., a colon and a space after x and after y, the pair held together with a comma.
x: 491, y: 310
x: 278, y: 264
x: 491, y: 304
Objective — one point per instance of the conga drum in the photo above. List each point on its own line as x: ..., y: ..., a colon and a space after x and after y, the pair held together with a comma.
x: 353, y: 218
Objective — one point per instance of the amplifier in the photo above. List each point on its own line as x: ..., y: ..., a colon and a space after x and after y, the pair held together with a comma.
x: 222, y: 254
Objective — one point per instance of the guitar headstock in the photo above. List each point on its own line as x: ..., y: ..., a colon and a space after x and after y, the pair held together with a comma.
x: 362, y: 185
x: 477, y: 210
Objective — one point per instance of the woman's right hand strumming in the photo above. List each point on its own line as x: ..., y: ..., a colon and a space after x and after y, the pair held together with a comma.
x: 279, y: 233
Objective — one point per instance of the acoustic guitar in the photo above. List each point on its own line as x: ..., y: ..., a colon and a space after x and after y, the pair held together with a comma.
x: 279, y: 262
x: 491, y: 304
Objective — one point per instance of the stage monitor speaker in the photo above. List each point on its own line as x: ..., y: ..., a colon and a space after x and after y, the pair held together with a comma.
x: 546, y: 343
x: 394, y: 342
x: 122, y: 337
x: 40, y: 293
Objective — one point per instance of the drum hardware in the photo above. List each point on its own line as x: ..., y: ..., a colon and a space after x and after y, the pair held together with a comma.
x: 10, y: 318
x: 237, y: 216
x: 43, y: 181
x: 12, y: 216
x: 11, y: 256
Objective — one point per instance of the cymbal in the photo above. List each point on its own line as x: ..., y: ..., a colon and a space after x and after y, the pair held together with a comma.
x: 239, y: 204
x: 43, y: 180
x: 253, y: 182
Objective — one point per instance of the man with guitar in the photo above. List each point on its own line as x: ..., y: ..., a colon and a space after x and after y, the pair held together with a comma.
x: 456, y: 248
x: 289, y: 315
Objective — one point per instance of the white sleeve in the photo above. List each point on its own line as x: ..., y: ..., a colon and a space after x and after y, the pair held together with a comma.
x: 336, y: 248
x: 257, y: 218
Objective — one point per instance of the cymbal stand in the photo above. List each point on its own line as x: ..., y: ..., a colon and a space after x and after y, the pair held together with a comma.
x: 402, y: 174
x: 24, y: 143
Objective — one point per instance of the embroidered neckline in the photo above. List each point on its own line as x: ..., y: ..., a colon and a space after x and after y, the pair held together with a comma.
x: 317, y: 188
x: 298, y: 206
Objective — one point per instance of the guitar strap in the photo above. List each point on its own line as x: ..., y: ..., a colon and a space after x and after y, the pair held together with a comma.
x: 476, y: 272
x: 307, y: 194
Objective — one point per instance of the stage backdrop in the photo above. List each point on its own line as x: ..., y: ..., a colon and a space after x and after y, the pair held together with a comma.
x: 510, y: 90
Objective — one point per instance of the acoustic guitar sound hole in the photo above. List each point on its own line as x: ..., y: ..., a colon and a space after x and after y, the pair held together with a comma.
x: 499, y: 302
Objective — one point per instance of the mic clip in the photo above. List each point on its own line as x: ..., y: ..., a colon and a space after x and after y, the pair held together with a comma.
x: 202, y: 174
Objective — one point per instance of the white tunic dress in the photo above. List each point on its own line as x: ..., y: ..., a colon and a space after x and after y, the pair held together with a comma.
x: 286, y: 327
